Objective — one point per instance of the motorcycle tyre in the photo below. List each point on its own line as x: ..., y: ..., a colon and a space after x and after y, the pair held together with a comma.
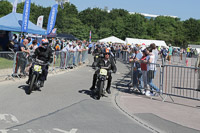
x: 100, y: 90
x: 31, y: 87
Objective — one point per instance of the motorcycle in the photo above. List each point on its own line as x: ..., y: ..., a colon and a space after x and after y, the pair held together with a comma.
x: 101, y: 78
x: 35, y: 83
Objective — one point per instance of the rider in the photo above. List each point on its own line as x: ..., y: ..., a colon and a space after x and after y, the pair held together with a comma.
x: 97, y: 52
x: 105, y: 62
x: 43, y: 53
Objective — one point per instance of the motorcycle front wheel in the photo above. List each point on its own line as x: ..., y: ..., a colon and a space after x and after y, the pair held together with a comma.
x: 31, y: 87
x: 100, y: 89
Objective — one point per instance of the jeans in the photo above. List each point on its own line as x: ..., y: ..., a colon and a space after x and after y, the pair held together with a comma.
x: 137, y: 79
x: 144, y: 79
x: 150, y: 77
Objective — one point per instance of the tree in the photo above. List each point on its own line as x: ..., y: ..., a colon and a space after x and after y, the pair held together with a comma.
x: 5, y: 7
x: 192, y: 29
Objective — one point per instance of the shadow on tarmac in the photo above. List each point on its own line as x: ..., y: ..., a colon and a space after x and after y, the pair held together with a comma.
x: 26, y: 89
x: 89, y: 93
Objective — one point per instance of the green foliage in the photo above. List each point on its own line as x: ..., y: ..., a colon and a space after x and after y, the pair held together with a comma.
x: 117, y: 22
x: 5, y: 8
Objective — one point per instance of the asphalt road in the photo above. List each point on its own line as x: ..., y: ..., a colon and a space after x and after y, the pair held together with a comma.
x: 63, y: 106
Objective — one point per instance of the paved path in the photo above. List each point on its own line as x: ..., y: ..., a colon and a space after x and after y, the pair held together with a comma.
x: 63, y: 106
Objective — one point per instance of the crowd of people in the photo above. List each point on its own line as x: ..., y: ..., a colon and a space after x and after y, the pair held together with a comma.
x: 143, y: 59
x: 63, y: 50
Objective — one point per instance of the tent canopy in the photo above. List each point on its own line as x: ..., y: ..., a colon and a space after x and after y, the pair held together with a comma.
x: 112, y: 39
x: 13, y: 21
x: 133, y: 41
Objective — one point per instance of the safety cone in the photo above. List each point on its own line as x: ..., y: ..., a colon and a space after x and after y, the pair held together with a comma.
x: 186, y: 62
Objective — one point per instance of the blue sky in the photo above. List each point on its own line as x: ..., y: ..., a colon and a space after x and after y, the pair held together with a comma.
x: 183, y: 9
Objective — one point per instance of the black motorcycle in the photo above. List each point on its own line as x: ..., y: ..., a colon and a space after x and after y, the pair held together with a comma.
x: 35, y: 83
x: 101, y: 78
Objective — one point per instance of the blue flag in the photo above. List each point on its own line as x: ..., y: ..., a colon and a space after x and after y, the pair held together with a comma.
x: 52, y: 18
x: 26, y: 13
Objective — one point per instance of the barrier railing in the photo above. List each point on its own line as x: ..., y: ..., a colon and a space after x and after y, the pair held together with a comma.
x: 181, y: 81
x: 171, y: 80
x: 145, y: 80
x: 17, y: 64
x: 6, y: 64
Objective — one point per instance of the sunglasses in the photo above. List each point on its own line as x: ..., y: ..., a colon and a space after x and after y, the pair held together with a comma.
x: 107, y: 54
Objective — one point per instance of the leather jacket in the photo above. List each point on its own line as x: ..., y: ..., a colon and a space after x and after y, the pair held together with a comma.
x: 43, y: 54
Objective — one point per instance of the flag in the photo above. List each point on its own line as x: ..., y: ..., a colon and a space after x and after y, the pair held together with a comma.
x: 40, y: 21
x: 62, y: 5
x: 26, y: 13
x: 15, y: 6
x: 52, y: 18
x: 90, y: 36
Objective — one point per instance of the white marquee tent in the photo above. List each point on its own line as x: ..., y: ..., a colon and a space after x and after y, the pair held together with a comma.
x: 133, y: 41
x: 112, y: 39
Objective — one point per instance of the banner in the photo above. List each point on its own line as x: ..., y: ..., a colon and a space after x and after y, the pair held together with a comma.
x: 26, y: 13
x: 52, y: 18
x: 54, y: 31
x: 40, y: 21
x: 15, y: 6
x: 90, y: 36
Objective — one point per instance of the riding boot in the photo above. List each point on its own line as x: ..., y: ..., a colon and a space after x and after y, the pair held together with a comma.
x: 108, y: 87
x: 94, y: 82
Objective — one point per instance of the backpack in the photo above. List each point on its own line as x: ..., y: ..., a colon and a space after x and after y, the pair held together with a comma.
x: 164, y: 52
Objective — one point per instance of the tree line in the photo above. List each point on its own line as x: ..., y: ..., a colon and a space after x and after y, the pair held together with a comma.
x: 117, y: 22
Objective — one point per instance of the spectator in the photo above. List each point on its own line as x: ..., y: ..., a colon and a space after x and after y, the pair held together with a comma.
x: 34, y: 45
x: 63, y: 57
x: 150, y: 71
x: 23, y: 57
x: 136, y: 69
x: 164, y: 53
x: 144, y: 70
x: 57, y: 49
x: 170, y: 53
x: 188, y: 51
x: 197, y: 65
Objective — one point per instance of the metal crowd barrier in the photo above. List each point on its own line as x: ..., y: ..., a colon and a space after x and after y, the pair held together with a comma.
x: 179, y: 81
x: 6, y: 64
x: 17, y: 64
x: 146, y: 80
x: 124, y: 55
x: 64, y: 60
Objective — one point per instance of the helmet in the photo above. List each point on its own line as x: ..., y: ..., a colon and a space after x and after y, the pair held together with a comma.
x: 45, y: 41
x: 107, y: 51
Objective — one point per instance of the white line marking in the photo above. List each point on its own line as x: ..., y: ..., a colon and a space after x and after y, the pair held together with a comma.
x: 8, y: 118
x: 4, y: 131
x: 63, y: 131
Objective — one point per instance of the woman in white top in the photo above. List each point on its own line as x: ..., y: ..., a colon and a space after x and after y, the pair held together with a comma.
x: 151, y: 68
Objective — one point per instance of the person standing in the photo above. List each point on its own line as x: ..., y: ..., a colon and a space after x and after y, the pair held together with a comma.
x: 23, y: 57
x: 170, y: 53
x: 150, y: 71
x: 137, y: 74
x: 197, y: 65
x: 144, y: 70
